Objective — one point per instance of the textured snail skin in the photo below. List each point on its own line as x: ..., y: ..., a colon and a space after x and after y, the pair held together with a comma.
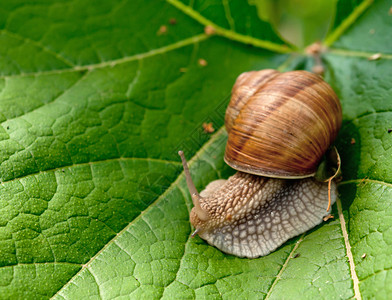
x: 279, y: 125
x: 251, y: 216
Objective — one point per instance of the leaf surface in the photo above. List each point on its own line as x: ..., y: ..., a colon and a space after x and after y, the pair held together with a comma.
x: 95, y: 102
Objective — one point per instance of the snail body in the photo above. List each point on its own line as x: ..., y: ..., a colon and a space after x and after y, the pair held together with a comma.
x: 250, y: 215
x: 279, y: 126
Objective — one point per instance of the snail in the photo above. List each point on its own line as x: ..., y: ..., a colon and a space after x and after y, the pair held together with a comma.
x: 279, y: 127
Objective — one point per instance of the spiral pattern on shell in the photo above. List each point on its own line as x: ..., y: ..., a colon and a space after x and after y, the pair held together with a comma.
x: 280, y: 124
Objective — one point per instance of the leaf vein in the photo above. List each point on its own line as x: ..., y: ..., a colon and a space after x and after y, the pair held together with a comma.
x: 41, y: 263
x: 277, y: 278
x: 148, y: 159
x: 375, y: 273
x: 43, y: 104
x: 97, y: 283
x: 354, y: 277
x: 229, y: 34
x: 112, y: 63
x: 179, y: 265
x: 369, y: 114
x: 228, y: 14
x: 353, y: 53
x: 152, y: 205
x: 367, y: 180
x: 39, y: 45
x: 355, y: 14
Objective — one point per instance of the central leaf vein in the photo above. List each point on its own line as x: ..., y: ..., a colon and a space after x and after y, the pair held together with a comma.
x: 112, y: 63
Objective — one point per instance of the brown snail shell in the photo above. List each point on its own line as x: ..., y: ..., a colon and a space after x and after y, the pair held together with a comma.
x: 280, y: 124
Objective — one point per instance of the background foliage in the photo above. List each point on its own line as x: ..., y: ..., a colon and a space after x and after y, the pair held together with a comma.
x: 97, y: 98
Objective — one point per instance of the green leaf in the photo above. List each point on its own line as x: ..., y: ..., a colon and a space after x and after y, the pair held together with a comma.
x: 347, y: 11
x: 95, y: 101
x: 368, y: 34
x: 234, y: 20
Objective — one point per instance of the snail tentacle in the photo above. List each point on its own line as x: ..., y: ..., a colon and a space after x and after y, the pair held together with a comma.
x: 279, y: 127
x: 201, y: 213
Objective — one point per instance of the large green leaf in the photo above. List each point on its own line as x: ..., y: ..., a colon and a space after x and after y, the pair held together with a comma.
x: 96, y: 98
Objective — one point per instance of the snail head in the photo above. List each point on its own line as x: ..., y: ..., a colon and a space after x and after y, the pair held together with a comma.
x: 199, y: 216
